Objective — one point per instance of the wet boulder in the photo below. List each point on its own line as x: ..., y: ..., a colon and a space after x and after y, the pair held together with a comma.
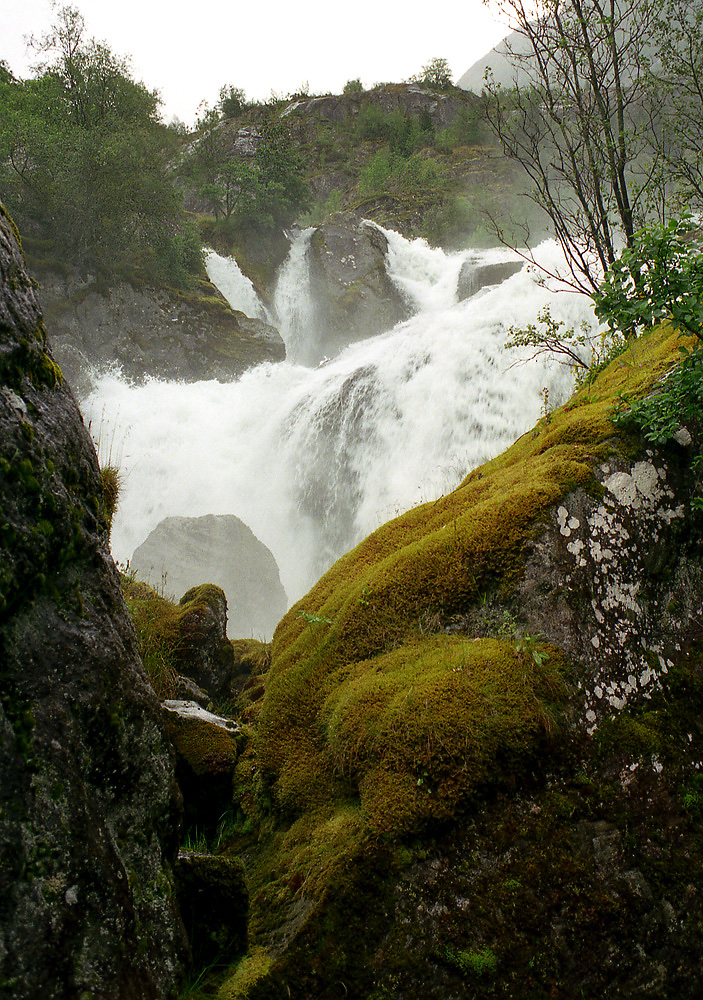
x: 145, y: 331
x: 89, y: 808
x: 353, y: 295
x: 475, y: 275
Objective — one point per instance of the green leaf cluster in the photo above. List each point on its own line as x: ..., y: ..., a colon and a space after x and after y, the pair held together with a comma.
x: 678, y: 402
x: 659, y: 275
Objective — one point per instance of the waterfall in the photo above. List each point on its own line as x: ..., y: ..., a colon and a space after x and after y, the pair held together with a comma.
x: 293, y: 304
x: 314, y: 459
x: 236, y: 287
x: 427, y: 277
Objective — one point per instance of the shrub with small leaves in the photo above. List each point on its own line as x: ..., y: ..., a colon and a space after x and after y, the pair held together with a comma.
x: 659, y: 276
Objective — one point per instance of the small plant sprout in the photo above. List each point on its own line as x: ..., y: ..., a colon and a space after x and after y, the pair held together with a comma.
x: 313, y: 621
x: 546, y: 411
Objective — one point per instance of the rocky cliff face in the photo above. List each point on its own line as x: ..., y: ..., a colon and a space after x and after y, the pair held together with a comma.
x: 406, y: 98
x: 145, y: 331
x: 88, y: 804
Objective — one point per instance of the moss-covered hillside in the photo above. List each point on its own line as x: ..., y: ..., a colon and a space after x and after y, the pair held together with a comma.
x: 433, y: 695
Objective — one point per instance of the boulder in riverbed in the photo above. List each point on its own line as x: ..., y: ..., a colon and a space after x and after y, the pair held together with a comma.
x: 182, y: 552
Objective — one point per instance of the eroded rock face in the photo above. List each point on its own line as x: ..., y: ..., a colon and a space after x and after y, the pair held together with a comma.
x: 151, y: 332
x: 408, y: 99
x: 353, y: 295
x: 617, y: 581
x: 182, y: 552
x: 89, y: 805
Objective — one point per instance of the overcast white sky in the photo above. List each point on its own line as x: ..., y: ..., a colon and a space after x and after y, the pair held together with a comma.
x: 189, y: 49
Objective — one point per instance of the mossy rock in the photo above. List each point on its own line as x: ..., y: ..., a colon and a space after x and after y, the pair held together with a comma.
x: 399, y: 704
x: 353, y: 644
x: 188, y: 638
x: 252, y: 659
x: 208, y: 743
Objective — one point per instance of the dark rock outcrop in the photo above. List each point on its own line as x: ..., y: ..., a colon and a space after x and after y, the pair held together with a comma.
x: 89, y: 808
x: 473, y: 278
x: 353, y: 295
x: 181, y: 552
x: 213, y: 898
x: 156, y: 332
x: 409, y: 99
x: 203, y: 652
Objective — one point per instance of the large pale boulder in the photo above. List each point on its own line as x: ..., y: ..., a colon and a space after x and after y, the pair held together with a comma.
x: 89, y: 808
x: 182, y: 552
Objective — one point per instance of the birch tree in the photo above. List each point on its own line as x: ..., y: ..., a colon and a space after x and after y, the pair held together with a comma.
x: 579, y: 120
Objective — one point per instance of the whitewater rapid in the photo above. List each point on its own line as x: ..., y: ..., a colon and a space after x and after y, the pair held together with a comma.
x: 314, y: 459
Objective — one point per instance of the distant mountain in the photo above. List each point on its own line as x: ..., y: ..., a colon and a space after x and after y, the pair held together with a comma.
x: 504, y: 72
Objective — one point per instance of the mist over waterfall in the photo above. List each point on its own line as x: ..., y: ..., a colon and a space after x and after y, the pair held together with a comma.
x: 313, y: 459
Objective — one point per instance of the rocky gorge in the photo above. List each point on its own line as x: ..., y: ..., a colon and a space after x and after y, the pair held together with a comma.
x: 467, y: 765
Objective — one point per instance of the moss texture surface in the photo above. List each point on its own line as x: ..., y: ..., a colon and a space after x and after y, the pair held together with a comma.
x: 419, y: 807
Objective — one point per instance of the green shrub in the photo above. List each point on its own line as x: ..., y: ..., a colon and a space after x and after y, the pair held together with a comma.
x: 376, y: 174
x: 659, y: 276
x: 371, y: 123
x: 111, y: 482
x: 478, y: 962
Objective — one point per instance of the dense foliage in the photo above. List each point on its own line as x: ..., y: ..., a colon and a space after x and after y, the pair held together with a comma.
x: 262, y: 191
x: 84, y: 161
x: 660, y: 276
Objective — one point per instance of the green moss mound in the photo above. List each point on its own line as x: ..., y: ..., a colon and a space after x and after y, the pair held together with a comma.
x: 363, y: 700
x: 394, y: 705
x: 419, y: 728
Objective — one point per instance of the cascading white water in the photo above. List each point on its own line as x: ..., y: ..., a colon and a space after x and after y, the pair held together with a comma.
x: 427, y: 277
x: 236, y: 287
x: 292, y: 300
x: 314, y: 459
